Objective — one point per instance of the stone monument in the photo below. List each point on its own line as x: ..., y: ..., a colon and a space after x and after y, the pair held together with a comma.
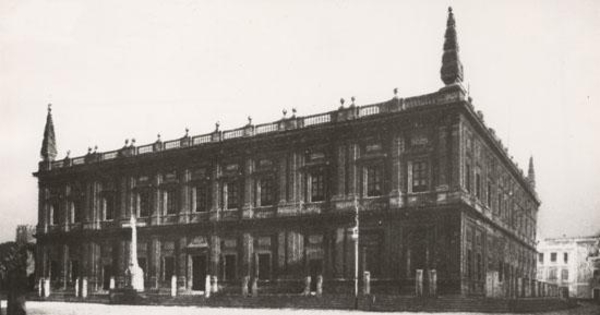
x: 135, y: 274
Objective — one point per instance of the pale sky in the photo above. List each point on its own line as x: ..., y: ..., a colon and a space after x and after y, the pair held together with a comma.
x: 121, y: 69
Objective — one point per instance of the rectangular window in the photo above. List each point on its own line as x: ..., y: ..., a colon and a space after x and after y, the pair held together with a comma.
x: 468, y: 177
x: 375, y: 180
x: 478, y: 186
x: 419, y: 176
x: 142, y: 262
x: 267, y: 194
x: 469, y: 264
x: 168, y: 268
x: 264, y: 266
x: 76, y: 209
x: 109, y: 207
x: 500, y: 271
x: 564, y: 274
x: 74, y: 270
x: 566, y: 257
x: 171, y: 196
x: 229, y: 270
x: 202, y: 198
x: 552, y: 274
x: 54, y: 213
x: 552, y: 257
x: 317, y: 187
x: 145, y: 203
x: 479, y: 267
x: 232, y: 195
x: 541, y: 258
x: 489, y: 194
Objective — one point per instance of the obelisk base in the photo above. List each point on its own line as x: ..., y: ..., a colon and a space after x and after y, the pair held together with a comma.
x: 135, y: 277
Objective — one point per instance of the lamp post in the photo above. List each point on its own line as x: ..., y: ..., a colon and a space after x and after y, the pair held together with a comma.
x: 355, y: 238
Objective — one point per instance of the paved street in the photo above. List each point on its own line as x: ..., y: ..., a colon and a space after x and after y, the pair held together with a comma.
x: 62, y: 308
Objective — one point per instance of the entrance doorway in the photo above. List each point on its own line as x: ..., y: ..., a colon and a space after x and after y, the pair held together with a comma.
x: 199, y: 271
x: 596, y: 294
x: 107, y: 272
x: 316, y: 269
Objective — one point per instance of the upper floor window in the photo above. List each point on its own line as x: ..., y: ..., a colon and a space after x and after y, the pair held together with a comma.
x: 374, y: 180
x: 171, y: 201
x: 109, y: 205
x: 541, y: 258
x: 552, y: 274
x: 232, y: 195
x: 468, y: 177
x: 202, y: 198
x: 317, y: 187
x: 553, y: 257
x: 566, y: 257
x: 564, y: 274
x: 489, y: 194
x: 54, y: 213
x: 419, y: 176
x: 266, y: 193
x: 478, y: 186
x: 145, y: 203
x: 75, y: 211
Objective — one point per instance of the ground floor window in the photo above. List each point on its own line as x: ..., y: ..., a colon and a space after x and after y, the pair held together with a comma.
x: 168, y: 268
x: 264, y: 266
x: 229, y: 267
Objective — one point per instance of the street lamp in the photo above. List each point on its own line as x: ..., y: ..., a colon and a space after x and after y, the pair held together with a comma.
x: 355, y: 238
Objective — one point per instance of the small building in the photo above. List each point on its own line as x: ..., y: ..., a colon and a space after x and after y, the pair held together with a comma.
x: 25, y: 234
x: 572, y: 263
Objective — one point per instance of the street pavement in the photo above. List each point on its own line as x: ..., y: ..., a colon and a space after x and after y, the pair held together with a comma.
x: 65, y: 308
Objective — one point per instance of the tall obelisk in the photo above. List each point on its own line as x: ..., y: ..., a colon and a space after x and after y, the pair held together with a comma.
x: 134, y: 272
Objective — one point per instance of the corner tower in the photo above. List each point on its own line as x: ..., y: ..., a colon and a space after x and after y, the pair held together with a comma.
x: 452, y: 69
x: 48, y: 152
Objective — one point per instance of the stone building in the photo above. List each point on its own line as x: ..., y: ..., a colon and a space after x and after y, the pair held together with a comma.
x: 572, y: 263
x: 435, y: 188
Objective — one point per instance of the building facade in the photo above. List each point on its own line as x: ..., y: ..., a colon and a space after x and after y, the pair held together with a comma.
x: 571, y: 263
x: 434, y: 187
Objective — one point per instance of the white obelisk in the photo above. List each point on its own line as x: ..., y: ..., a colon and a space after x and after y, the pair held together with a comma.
x: 135, y: 273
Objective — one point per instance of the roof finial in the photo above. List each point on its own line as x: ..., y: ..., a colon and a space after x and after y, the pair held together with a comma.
x: 284, y: 111
x: 187, y: 132
x: 294, y: 112
x: 342, y: 100
x: 452, y: 68
x: 352, y: 99
x: 48, y: 151
x: 249, y: 120
x: 395, y: 92
x: 217, y: 124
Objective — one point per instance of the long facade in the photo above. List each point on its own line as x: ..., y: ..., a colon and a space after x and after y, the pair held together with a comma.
x: 434, y: 187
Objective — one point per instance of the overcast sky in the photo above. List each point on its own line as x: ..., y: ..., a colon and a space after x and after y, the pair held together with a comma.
x: 131, y: 69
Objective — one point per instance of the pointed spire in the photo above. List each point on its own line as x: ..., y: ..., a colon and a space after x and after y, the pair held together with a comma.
x: 48, y: 152
x: 531, y: 173
x: 452, y: 68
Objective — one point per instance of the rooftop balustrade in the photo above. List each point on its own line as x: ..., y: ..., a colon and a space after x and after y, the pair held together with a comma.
x: 249, y: 130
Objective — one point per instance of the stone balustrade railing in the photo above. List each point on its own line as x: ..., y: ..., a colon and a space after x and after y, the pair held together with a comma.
x: 356, y: 112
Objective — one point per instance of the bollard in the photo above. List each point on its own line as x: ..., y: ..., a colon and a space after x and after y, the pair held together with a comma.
x: 419, y: 282
x: 77, y: 287
x: 84, y: 287
x: 432, y: 282
x: 306, y: 286
x: 40, y: 287
x: 46, y: 288
x: 245, y: 283
x: 214, y: 287
x: 319, y: 285
x: 173, y: 286
x: 366, y: 283
x: 207, y: 287
x: 255, y: 287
